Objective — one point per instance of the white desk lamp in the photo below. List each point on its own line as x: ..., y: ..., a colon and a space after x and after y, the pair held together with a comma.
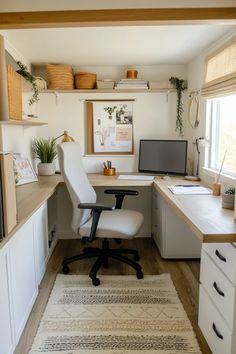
x: 199, y: 143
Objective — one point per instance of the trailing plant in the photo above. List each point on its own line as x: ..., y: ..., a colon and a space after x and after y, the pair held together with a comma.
x: 180, y: 86
x: 229, y: 190
x: 23, y: 71
x: 45, y: 149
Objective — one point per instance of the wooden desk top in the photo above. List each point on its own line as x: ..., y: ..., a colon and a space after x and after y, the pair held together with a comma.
x: 203, y: 213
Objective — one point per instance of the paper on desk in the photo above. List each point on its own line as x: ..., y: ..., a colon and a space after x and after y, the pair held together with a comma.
x: 189, y: 190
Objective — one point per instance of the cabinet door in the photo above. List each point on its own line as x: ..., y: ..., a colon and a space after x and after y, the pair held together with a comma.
x: 6, y: 322
x: 158, y: 210
x: 40, y: 222
x: 160, y: 222
x: 23, y: 275
x: 179, y: 240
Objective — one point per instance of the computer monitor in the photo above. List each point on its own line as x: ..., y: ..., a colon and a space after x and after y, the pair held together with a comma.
x: 163, y: 156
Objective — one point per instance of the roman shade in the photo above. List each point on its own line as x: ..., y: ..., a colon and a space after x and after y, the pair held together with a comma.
x: 220, y: 71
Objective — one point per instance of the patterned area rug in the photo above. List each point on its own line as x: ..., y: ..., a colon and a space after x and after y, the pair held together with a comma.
x: 122, y: 315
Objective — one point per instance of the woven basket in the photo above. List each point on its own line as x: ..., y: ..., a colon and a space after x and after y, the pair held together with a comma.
x: 60, y: 77
x: 14, y: 86
x: 85, y: 80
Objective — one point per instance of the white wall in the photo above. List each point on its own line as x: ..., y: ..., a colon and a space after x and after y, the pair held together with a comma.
x: 43, y: 5
x: 154, y: 115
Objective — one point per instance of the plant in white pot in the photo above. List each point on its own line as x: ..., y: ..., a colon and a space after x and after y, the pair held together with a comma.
x: 45, y: 150
x: 228, y: 198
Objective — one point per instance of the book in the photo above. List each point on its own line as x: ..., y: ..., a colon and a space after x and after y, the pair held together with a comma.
x: 8, y: 192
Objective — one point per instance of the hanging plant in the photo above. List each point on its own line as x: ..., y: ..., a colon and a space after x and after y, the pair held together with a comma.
x: 23, y: 71
x: 180, y: 86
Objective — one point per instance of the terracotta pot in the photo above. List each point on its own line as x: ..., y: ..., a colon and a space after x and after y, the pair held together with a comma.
x: 46, y: 169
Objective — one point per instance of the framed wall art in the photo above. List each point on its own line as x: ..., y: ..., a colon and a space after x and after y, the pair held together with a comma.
x: 24, y: 172
x: 110, y: 127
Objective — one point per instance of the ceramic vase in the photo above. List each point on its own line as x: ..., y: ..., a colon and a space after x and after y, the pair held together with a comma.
x: 46, y: 169
x: 228, y: 201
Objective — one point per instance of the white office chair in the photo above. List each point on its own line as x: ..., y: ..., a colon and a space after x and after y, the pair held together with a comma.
x: 94, y: 220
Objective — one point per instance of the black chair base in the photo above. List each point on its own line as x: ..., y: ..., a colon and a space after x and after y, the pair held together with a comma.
x: 103, y: 254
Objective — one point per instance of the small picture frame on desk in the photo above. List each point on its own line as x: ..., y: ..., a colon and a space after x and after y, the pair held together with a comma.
x: 24, y: 173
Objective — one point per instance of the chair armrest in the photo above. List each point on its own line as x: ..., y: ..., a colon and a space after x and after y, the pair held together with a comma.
x: 121, y: 191
x: 95, y: 206
x: 96, y: 210
x: 120, y: 194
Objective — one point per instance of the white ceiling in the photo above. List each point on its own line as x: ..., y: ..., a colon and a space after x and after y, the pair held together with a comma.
x: 143, y: 45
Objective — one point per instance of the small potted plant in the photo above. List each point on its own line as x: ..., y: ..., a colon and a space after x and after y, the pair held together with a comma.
x: 228, y: 198
x: 45, y: 151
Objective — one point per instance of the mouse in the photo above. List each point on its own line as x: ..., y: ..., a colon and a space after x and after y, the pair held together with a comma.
x: 166, y: 178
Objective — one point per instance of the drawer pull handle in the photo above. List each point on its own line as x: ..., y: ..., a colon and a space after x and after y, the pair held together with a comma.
x: 219, y: 255
x: 217, y: 289
x: 216, y: 331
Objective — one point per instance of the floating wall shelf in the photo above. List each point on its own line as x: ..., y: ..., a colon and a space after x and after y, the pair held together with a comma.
x: 109, y: 91
x: 28, y: 122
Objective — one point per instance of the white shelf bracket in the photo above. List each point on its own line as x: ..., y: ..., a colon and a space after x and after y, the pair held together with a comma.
x: 56, y: 96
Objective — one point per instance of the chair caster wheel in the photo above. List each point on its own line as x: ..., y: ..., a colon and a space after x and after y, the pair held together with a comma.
x: 65, y: 269
x: 96, y: 281
x: 139, y: 275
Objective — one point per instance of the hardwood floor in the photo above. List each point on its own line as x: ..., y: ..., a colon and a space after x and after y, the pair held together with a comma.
x: 185, y: 275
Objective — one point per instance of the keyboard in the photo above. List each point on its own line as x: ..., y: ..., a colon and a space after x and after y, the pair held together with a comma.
x: 137, y: 177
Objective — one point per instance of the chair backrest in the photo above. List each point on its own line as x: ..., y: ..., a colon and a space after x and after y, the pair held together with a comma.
x: 79, y: 187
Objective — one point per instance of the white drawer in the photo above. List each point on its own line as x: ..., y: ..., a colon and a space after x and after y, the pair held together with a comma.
x: 224, y: 255
x: 213, y: 327
x: 220, y: 289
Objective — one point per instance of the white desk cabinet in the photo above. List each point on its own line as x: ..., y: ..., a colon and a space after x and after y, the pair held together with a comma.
x: 23, y: 275
x: 22, y: 265
x: 217, y: 300
x: 172, y: 235
x: 6, y: 320
x: 41, y: 247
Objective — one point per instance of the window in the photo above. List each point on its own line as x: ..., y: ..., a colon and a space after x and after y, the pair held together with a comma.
x: 221, y: 114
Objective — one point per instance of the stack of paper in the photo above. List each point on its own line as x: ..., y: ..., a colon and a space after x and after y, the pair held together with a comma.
x: 125, y: 84
x: 189, y: 189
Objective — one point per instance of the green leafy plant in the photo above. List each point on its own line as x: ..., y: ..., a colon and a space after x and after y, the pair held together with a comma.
x: 180, y: 86
x: 45, y: 149
x: 23, y: 71
x: 110, y: 110
x: 229, y: 190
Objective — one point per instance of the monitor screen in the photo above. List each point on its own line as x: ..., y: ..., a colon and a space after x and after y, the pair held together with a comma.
x: 163, y: 156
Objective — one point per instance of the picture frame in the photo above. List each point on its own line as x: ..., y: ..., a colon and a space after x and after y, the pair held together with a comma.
x: 24, y: 173
x: 110, y: 127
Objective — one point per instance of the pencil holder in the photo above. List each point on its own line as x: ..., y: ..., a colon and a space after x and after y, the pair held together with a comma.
x: 109, y: 171
x: 216, y: 187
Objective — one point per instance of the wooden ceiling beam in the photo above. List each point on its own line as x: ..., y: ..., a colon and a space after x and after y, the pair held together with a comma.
x: 119, y: 17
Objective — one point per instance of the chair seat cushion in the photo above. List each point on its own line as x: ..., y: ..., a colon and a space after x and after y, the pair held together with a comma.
x: 119, y: 223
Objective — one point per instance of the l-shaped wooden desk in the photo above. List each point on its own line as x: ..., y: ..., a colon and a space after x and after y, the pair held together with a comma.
x: 24, y: 254
x: 203, y: 213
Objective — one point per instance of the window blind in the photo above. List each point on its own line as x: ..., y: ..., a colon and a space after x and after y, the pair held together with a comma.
x: 220, y: 71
